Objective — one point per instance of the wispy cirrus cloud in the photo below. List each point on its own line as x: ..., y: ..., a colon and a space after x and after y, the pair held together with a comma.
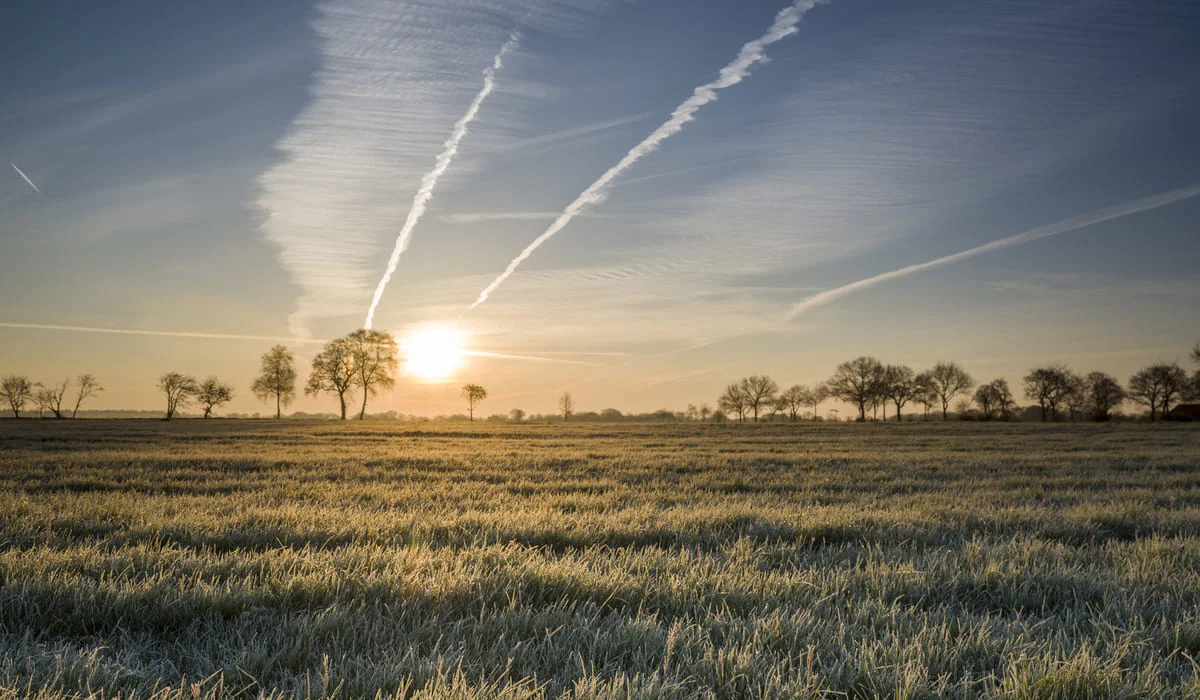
x: 394, y: 78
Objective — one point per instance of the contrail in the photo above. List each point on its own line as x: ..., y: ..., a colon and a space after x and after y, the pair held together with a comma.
x: 24, y: 177
x: 429, y: 182
x: 276, y: 339
x: 1071, y: 224
x: 166, y: 334
x: 751, y: 54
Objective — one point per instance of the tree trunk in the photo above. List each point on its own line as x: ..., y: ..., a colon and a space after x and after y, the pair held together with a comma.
x: 362, y: 415
x: 278, y: 405
x: 897, y: 411
x: 342, y: 401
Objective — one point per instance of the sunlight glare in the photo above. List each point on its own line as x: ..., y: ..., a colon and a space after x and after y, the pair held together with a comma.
x: 433, y: 353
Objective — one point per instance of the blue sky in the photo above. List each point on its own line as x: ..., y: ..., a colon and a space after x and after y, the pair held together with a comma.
x: 244, y: 168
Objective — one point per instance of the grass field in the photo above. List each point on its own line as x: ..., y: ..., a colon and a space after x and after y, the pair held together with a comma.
x: 199, y: 559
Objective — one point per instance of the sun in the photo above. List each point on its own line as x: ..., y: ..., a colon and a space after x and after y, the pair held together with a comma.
x: 432, y: 353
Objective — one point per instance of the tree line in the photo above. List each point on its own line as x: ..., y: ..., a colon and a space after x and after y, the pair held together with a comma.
x: 872, y: 386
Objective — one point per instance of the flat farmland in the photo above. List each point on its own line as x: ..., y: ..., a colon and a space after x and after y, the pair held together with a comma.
x: 251, y: 558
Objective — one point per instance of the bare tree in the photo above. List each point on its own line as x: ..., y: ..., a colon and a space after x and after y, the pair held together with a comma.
x: 818, y: 393
x: 333, y: 372
x: 900, y: 386
x: 793, y: 400
x: 1157, y: 387
x: 566, y: 405
x: 50, y: 397
x: 180, y: 389
x: 705, y: 412
x: 926, y: 392
x: 994, y: 399
x: 276, y: 377
x: 734, y: 401
x: 1076, y: 398
x: 948, y: 381
x: 88, y: 386
x: 473, y: 393
x: 16, y: 391
x: 759, y: 391
x: 857, y: 382
x: 516, y: 415
x: 1049, y: 386
x: 373, y: 355
x: 1104, y: 393
x: 212, y: 393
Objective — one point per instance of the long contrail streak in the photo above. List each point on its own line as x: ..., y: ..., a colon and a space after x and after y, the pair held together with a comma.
x: 751, y: 54
x: 24, y: 177
x: 276, y: 339
x: 429, y: 182
x: 1066, y: 225
x: 165, y: 334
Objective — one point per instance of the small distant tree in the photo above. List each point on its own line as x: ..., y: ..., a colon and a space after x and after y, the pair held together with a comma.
x: 87, y: 386
x: 705, y: 412
x: 733, y: 401
x: 50, y: 397
x: 473, y: 393
x: 516, y: 415
x: 276, y: 378
x: 1157, y: 387
x: 1104, y: 393
x: 179, y: 389
x: 857, y: 382
x: 333, y: 373
x: 900, y: 386
x: 566, y: 405
x: 373, y: 360
x: 211, y: 393
x: 16, y: 391
x: 817, y: 394
x: 948, y: 380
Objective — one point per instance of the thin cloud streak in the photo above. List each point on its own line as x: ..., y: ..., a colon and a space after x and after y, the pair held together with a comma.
x: 1066, y: 225
x: 24, y: 177
x: 163, y: 334
x: 751, y: 54
x: 429, y: 182
x: 578, y: 132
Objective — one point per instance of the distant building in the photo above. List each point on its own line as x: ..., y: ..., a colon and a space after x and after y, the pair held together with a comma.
x: 1184, y: 411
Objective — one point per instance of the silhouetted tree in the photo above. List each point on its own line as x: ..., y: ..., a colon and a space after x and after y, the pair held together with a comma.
x: 1049, y: 386
x: 333, y: 372
x: 50, y: 397
x: 16, y: 391
x: 948, y: 381
x: 212, y: 393
x: 516, y: 415
x: 793, y: 400
x: 373, y: 359
x: 994, y: 399
x: 734, y: 401
x: 276, y: 377
x: 1076, y: 398
x: 1157, y: 387
x: 926, y: 392
x: 857, y: 382
x: 759, y: 391
x: 87, y: 387
x: 180, y: 389
x: 900, y: 386
x: 473, y: 393
x: 566, y: 405
x: 705, y: 412
x: 816, y: 394
x: 1104, y: 393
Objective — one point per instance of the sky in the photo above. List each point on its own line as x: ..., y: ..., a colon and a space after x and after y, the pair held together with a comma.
x: 239, y: 174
